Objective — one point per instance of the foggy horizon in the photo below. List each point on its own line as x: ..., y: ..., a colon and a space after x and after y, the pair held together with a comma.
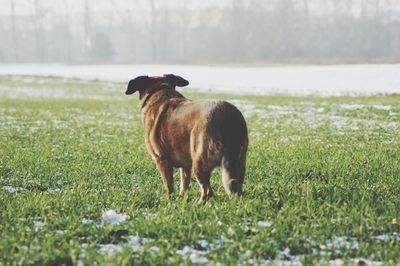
x: 187, y: 32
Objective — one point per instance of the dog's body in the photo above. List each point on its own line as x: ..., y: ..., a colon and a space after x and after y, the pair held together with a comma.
x: 191, y: 135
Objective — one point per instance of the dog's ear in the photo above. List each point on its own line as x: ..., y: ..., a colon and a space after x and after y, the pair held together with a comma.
x: 176, y: 80
x: 137, y: 84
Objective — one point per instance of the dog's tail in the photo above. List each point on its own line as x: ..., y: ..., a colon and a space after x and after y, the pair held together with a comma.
x: 234, y: 155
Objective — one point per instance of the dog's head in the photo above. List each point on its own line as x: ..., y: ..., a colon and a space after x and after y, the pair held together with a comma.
x: 144, y: 83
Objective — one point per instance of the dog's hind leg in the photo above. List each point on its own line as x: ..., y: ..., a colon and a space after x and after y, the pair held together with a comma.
x: 203, y: 178
x: 165, y: 169
x: 233, y: 171
x: 185, y: 180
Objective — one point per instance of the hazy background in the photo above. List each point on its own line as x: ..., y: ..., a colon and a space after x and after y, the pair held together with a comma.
x: 200, y: 32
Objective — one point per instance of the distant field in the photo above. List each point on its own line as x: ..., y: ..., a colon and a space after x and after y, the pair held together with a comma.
x: 322, y: 184
x: 295, y: 80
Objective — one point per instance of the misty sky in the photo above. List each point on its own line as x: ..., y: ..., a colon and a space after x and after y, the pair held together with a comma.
x: 194, y: 31
x: 26, y: 7
x: 57, y: 6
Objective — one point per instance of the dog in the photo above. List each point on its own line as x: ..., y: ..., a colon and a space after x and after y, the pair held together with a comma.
x: 191, y: 135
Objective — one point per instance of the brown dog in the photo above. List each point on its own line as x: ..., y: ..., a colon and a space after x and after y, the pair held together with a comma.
x: 191, y: 135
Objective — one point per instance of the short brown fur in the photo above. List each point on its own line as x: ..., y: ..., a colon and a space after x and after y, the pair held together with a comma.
x: 192, y: 135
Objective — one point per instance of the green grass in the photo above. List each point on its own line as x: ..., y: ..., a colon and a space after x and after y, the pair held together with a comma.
x: 323, y: 172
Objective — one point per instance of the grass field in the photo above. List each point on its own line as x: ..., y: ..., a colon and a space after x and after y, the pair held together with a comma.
x: 322, y: 184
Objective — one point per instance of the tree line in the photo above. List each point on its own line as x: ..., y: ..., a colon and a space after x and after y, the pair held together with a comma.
x: 179, y: 31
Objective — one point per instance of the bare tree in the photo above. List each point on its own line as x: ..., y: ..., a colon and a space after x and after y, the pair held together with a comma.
x: 67, y: 31
x: 150, y: 19
x: 14, y: 31
x: 39, y: 42
x: 87, y: 42
x: 184, y: 16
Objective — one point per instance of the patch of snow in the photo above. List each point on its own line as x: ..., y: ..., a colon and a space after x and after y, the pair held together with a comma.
x: 194, y: 255
x: 342, y: 242
x: 205, y: 245
x: 113, y: 218
x: 285, y: 256
x: 382, y: 107
x: 87, y: 221
x: 109, y: 249
x: 351, y: 106
x: 396, y: 236
x: 38, y: 225
x: 366, y: 262
x: 53, y: 191
x: 136, y: 242
x: 222, y: 240
x: 11, y: 189
x: 148, y: 216
x: 383, y: 238
x: 154, y: 249
x: 264, y: 224
x: 246, y: 255
x: 387, y: 237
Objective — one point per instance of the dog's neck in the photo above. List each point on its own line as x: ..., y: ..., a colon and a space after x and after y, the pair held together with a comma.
x: 148, y: 93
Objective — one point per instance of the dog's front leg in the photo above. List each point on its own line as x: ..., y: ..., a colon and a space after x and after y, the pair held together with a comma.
x: 165, y: 169
x: 185, y: 180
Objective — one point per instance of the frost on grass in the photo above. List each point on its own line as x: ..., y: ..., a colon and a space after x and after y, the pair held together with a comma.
x: 283, y: 258
x: 387, y: 238
x: 12, y: 190
x: 136, y: 244
x: 264, y: 224
x: 54, y: 190
x: 340, y: 118
x: 38, y: 225
x: 340, y: 242
x: 87, y: 222
x: 194, y: 255
x: 364, y: 262
x: 113, y: 218
x: 109, y: 249
x: 154, y: 249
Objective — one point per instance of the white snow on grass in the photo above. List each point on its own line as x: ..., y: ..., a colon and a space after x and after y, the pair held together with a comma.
x: 154, y: 250
x: 314, y: 116
x: 194, y: 255
x: 109, y: 249
x: 323, y: 80
x: 38, y: 225
x: 382, y: 107
x: 136, y: 244
x: 387, y: 238
x: 113, y: 218
x: 364, y: 262
x: 87, y: 222
x: 284, y: 255
x: 264, y: 224
x: 11, y: 189
x: 54, y: 190
x: 345, y: 242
